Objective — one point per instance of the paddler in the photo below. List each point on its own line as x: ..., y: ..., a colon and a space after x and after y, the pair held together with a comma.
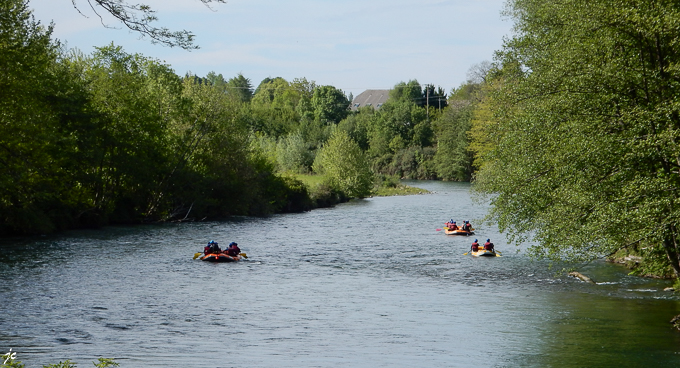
x: 212, y: 248
x: 233, y: 250
x: 475, y: 246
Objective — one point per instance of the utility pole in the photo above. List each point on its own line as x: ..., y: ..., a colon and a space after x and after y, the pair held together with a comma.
x: 427, y: 102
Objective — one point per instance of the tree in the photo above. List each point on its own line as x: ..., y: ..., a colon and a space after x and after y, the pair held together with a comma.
x: 410, y: 91
x: 434, y: 98
x: 34, y: 139
x: 345, y: 165
x: 125, y: 143
x: 330, y: 105
x: 587, y: 123
x: 139, y: 17
x: 453, y: 160
x: 240, y: 88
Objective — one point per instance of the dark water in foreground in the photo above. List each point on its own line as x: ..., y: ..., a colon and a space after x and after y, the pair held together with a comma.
x: 368, y: 283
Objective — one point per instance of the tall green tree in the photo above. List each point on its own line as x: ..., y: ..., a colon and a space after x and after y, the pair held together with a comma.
x: 344, y: 163
x: 410, y: 91
x: 586, y: 158
x: 35, y: 138
x: 453, y: 160
x: 126, y: 141
x: 330, y: 105
x: 240, y: 87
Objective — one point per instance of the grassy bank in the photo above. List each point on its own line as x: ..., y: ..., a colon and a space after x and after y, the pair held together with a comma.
x: 384, y: 186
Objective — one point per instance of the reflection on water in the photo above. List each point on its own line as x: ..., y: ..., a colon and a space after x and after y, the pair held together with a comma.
x: 369, y: 283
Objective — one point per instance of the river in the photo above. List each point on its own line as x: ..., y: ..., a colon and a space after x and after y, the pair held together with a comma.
x: 369, y: 283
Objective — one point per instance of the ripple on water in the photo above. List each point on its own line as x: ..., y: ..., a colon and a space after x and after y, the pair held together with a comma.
x: 369, y: 283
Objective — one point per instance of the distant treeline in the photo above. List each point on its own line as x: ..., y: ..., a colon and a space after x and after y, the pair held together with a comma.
x: 115, y: 138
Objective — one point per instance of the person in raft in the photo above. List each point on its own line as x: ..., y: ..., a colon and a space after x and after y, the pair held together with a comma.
x: 475, y: 246
x: 451, y: 225
x: 212, y: 248
x: 233, y: 250
x: 488, y: 245
x: 466, y: 226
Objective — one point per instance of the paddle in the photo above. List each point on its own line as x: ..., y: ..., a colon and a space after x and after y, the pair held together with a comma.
x: 466, y: 253
x: 243, y: 255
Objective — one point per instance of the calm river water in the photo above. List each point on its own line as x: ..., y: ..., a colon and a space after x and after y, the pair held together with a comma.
x: 369, y: 283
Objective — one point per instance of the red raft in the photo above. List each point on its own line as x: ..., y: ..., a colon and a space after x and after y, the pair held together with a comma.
x: 219, y: 257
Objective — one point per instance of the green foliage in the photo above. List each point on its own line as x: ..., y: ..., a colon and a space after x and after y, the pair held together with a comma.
x: 113, y: 137
x: 9, y: 360
x: 330, y: 105
x: 240, y: 88
x: 434, y: 98
x: 408, y: 163
x: 586, y: 128
x: 644, y: 260
x: 393, y: 126
x: 105, y: 363
x: 327, y: 194
x: 357, y: 126
x: 293, y: 154
x: 345, y: 165
x: 270, y: 90
x: 407, y: 92
x: 390, y: 185
x: 453, y: 160
x: 36, y: 95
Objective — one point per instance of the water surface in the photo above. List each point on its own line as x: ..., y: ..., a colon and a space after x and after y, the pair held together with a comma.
x: 369, y: 283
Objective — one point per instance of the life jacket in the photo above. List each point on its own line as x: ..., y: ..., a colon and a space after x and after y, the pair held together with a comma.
x: 233, y: 251
x: 212, y: 248
x: 467, y: 227
x: 488, y: 246
x: 475, y: 247
x: 453, y: 227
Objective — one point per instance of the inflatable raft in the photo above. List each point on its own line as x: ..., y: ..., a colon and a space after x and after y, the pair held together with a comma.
x: 458, y: 232
x: 219, y: 257
x: 484, y: 253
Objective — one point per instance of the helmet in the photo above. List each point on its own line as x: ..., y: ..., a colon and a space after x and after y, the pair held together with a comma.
x: 232, y: 244
x: 488, y: 239
x: 475, y: 240
x: 454, y: 222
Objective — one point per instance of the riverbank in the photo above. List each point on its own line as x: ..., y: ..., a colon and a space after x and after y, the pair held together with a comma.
x: 644, y: 261
x: 324, y: 196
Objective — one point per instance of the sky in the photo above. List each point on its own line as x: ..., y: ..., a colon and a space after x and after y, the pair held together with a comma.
x: 352, y: 45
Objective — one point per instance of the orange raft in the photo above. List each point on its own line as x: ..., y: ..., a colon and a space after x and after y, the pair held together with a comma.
x: 219, y: 257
